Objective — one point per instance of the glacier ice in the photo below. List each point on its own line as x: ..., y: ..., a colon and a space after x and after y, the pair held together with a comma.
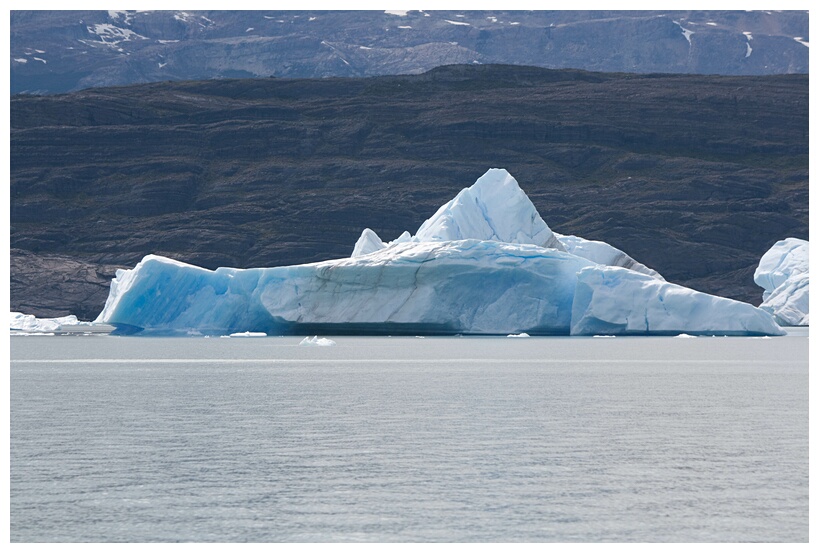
x: 614, y: 300
x: 484, y: 263
x: 494, y: 208
x: 316, y: 341
x: 784, y: 274
x: 20, y: 323
x: 368, y: 242
x: 446, y: 287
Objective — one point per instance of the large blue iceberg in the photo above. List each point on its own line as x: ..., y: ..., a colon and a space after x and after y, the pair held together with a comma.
x: 485, y: 263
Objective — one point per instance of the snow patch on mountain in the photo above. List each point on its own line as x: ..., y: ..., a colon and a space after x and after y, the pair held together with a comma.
x: 112, y: 35
x: 686, y: 32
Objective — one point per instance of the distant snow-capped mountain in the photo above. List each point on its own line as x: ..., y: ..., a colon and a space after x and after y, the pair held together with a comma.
x: 60, y: 51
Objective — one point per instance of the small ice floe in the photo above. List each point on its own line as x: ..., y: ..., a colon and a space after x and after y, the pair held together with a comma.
x: 684, y: 335
x: 604, y: 336
x: 316, y: 341
x: 759, y: 337
x: 248, y: 334
x: 422, y: 337
x: 20, y: 323
x: 521, y: 335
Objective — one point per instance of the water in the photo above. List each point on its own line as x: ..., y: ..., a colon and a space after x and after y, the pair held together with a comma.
x: 407, y: 439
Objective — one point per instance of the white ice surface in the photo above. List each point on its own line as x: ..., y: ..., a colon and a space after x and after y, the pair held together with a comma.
x: 494, y: 208
x: 21, y: 322
x: 783, y: 273
x: 367, y: 243
x: 316, y: 341
x: 613, y: 300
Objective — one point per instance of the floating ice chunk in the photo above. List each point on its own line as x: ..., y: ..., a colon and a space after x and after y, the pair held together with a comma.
x: 785, y: 258
x: 603, y: 254
x: 316, y: 341
x: 784, y: 274
x: 521, y: 335
x: 684, y: 335
x: 613, y: 300
x: 494, y: 208
x: 248, y: 334
x: 20, y: 322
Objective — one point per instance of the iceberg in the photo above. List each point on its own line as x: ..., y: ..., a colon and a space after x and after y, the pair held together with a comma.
x: 484, y: 263
x: 316, y: 341
x: 784, y: 274
x: 21, y: 322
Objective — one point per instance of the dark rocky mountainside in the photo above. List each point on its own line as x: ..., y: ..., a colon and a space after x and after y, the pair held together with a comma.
x: 60, y: 51
x: 695, y: 176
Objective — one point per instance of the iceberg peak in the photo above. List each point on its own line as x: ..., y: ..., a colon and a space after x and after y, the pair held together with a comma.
x: 494, y: 208
x: 368, y: 242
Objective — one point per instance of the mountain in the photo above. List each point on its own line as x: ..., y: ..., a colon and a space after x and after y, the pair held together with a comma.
x: 61, y: 51
x: 694, y: 176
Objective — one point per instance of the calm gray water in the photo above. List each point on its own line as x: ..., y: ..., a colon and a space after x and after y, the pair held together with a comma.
x: 407, y: 439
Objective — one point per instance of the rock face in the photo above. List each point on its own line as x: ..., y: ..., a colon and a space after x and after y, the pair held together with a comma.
x: 61, y: 51
x: 57, y: 286
x: 693, y: 176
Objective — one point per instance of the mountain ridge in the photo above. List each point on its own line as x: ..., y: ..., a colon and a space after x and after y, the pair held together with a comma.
x: 61, y: 51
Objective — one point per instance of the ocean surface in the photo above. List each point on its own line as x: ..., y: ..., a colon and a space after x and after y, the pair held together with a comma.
x: 409, y: 439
